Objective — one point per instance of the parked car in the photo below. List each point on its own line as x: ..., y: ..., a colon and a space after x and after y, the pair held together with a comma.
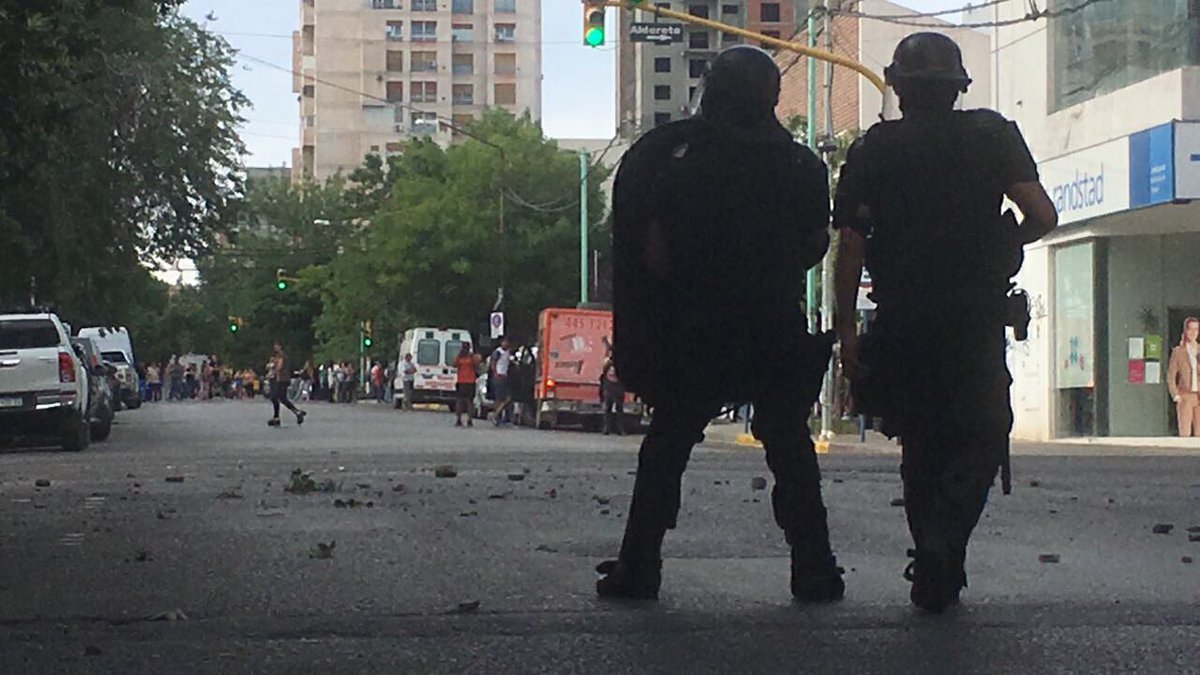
x: 101, y: 377
x: 44, y: 390
x: 116, y: 347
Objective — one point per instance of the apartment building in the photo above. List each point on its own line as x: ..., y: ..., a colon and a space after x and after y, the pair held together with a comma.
x: 856, y: 103
x: 372, y: 73
x: 656, y: 83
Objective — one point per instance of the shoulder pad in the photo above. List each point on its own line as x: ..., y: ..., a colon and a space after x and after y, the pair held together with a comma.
x: 983, y: 118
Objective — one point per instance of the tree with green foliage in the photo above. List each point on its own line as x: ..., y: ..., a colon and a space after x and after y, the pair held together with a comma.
x: 451, y: 227
x: 118, y: 148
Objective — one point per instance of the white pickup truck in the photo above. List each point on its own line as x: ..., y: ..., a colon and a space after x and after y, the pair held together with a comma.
x: 43, y: 384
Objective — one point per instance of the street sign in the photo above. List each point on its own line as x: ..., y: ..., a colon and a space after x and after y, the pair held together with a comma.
x: 497, y: 324
x: 659, y: 33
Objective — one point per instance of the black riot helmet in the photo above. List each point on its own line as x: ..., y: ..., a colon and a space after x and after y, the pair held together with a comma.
x: 927, y: 59
x: 740, y: 87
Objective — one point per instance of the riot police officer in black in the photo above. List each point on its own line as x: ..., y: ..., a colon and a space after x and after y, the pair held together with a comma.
x: 920, y: 199
x: 716, y: 219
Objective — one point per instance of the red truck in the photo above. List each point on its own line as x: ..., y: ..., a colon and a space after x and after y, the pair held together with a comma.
x: 572, y: 344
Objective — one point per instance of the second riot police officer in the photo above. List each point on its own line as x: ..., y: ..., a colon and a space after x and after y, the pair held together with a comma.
x: 716, y: 218
x: 921, y: 199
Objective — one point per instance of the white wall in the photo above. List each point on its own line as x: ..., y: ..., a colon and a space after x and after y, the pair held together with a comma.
x: 1021, y: 74
x: 1029, y: 361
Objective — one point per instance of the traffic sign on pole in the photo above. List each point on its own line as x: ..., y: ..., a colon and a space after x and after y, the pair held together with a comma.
x: 659, y: 33
x: 496, y: 323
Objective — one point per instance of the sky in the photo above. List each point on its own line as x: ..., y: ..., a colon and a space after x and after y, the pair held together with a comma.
x: 578, y: 97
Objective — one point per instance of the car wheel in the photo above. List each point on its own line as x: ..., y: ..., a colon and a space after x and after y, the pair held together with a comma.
x: 133, y: 402
x: 78, y: 435
x: 102, y: 428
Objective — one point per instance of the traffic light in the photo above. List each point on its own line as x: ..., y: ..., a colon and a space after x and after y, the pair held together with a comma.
x: 281, y: 283
x: 366, y: 333
x: 235, y: 324
x: 593, y: 23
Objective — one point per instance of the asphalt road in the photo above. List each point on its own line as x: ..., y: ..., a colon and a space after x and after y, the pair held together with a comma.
x: 183, y: 517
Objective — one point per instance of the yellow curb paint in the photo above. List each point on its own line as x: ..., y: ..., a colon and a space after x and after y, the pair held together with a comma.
x: 822, y: 447
x: 747, y: 440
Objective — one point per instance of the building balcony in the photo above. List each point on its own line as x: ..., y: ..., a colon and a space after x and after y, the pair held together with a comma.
x: 308, y: 13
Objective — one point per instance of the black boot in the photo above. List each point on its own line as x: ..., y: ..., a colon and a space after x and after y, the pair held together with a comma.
x: 937, y: 577
x: 629, y: 580
x: 816, y: 576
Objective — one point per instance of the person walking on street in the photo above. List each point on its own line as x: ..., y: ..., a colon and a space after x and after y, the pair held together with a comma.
x: 175, y: 378
x: 377, y: 382
x: 408, y: 375
x: 1183, y: 379
x: 919, y: 199
x: 498, y: 380
x: 467, y: 366
x: 280, y: 380
x: 715, y: 220
x: 612, y: 393
x: 154, y: 381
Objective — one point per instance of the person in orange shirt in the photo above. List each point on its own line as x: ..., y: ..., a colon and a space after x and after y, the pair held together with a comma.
x: 467, y: 363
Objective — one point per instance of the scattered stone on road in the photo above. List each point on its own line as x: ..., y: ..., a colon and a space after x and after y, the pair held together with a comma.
x: 758, y: 483
x: 92, y: 650
x: 1048, y: 558
x: 445, y: 471
x: 516, y: 476
x: 601, y: 500
x: 1034, y: 483
x: 231, y: 493
x: 1194, y: 537
x: 1195, y: 529
x: 1187, y: 560
x: 322, y: 551
x: 1163, y: 528
x: 466, y: 607
x: 898, y: 501
x: 174, y: 479
x: 170, y: 615
x: 41, y: 482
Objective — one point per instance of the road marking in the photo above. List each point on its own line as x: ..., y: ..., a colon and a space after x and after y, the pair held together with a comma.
x: 93, y: 503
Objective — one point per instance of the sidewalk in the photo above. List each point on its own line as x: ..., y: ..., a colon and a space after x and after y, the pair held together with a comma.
x: 734, y: 436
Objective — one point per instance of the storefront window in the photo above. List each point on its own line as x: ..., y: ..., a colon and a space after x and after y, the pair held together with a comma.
x: 1075, y: 338
x: 1106, y: 46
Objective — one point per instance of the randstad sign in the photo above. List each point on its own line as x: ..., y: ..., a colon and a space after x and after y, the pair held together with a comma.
x: 1089, y: 183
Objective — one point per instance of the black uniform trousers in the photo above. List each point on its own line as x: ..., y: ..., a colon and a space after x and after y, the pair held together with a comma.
x: 949, y: 392
x: 780, y: 422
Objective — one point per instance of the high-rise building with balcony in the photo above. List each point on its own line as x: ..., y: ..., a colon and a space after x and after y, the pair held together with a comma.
x: 372, y: 73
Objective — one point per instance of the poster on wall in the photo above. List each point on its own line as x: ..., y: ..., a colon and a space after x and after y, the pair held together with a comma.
x: 1074, y: 318
x: 1154, y: 347
x: 1137, y: 348
x: 1137, y: 371
x: 1153, y: 372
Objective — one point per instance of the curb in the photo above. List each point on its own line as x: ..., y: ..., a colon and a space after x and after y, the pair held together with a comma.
x: 748, y: 441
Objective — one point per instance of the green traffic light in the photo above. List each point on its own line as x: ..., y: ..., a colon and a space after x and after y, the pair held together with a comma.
x: 594, y: 37
x: 233, y: 328
x: 367, y: 342
x: 281, y: 285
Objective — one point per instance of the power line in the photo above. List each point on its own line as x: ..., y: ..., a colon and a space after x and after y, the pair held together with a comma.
x: 415, y: 43
x: 448, y: 123
x: 943, y: 12
x: 1033, y: 15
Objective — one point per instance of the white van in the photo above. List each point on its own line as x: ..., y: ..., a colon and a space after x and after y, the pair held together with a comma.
x: 433, y: 351
x: 116, y: 347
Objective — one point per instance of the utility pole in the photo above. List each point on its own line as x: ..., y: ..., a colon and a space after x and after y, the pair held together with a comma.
x: 583, y: 226
x: 810, y: 277
x: 827, y: 265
